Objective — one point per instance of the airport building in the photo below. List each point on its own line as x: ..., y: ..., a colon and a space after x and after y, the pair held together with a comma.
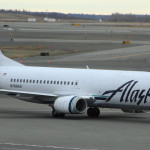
x: 49, y: 20
x: 31, y: 19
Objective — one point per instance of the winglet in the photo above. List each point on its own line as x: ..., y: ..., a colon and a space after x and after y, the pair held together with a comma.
x: 5, y: 61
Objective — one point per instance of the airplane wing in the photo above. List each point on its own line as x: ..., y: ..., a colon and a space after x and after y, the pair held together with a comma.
x: 13, y: 92
x: 45, y: 98
x: 34, y: 97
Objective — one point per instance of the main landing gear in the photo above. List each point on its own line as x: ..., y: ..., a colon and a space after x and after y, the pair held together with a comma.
x: 57, y: 115
x: 93, y: 112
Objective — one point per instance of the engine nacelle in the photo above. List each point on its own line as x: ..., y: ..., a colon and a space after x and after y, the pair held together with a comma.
x: 134, y: 110
x: 70, y: 104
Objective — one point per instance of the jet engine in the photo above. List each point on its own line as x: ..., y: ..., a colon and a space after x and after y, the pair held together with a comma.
x: 70, y: 104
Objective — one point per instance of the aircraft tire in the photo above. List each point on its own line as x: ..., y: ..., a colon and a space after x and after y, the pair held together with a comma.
x: 93, y: 112
x: 57, y: 115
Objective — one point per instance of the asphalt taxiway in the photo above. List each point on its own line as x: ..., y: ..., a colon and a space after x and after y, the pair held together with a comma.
x: 28, y: 126
x: 135, y: 58
x: 31, y: 127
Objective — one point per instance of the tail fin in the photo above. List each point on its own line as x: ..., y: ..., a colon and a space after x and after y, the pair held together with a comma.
x: 5, y: 61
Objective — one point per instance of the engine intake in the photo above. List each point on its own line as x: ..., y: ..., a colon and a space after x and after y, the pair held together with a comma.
x: 70, y: 104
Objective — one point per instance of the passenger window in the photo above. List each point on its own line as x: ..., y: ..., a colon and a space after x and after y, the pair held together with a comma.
x: 17, y: 80
x: 68, y: 83
x: 72, y: 83
x: 76, y: 83
x: 61, y: 82
x: 24, y: 80
x: 30, y: 81
x: 54, y: 82
x: 11, y: 80
x: 51, y: 82
x: 33, y: 81
x: 57, y: 82
x: 27, y: 81
x: 64, y: 82
x: 37, y: 81
x: 40, y: 81
x: 47, y: 82
x: 20, y: 80
x: 14, y: 80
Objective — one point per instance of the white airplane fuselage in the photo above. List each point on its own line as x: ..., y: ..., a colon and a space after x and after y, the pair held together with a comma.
x: 108, y: 88
x: 75, y: 91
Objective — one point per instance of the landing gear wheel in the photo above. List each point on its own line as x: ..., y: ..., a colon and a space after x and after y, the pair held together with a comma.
x: 58, y: 115
x: 93, y: 112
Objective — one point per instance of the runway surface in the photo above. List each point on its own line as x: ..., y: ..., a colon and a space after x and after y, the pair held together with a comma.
x: 135, y: 58
x: 31, y: 127
x: 28, y: 126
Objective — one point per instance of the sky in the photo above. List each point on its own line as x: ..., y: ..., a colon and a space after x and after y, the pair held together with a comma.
x: 80, y: 6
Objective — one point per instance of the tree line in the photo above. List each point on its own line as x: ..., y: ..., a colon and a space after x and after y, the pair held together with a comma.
x: 115, y: 17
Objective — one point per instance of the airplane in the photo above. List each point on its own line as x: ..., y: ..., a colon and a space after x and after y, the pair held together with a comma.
x: 75, y: 91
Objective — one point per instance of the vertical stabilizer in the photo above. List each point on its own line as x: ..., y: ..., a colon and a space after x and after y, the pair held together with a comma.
x: 5, y: 61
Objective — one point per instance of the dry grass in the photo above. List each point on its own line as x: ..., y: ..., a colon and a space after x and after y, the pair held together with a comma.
x: 9, y: 17
x: 29, y: 51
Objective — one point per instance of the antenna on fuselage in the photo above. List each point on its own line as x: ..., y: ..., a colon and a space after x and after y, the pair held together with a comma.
x: 87, y: 67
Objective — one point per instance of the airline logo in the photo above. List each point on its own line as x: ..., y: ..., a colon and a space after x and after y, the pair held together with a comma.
x: 128, y: 93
